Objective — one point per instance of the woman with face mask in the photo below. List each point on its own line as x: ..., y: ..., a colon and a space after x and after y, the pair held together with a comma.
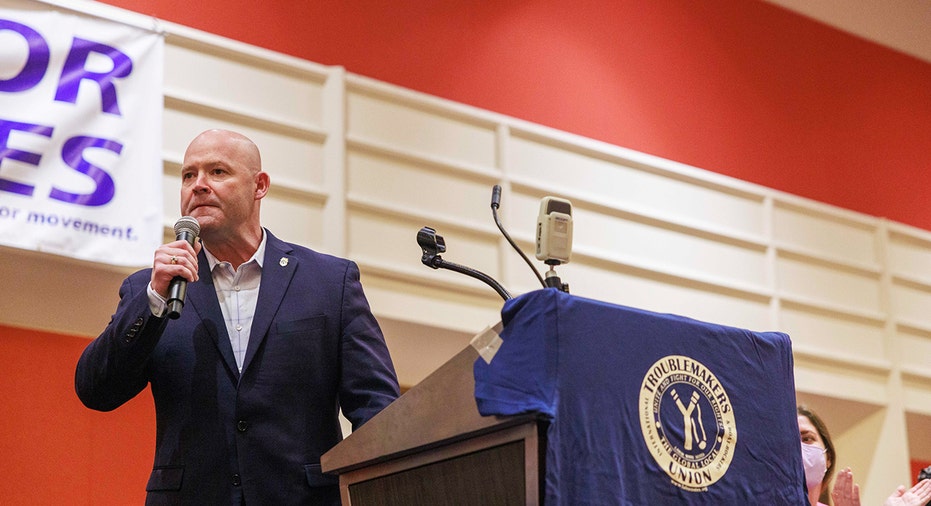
x: 819, y: 457
x: 817, y: 454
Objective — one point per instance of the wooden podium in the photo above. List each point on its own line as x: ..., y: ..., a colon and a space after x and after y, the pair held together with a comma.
x: 584, y: 405
x: 432, y: 447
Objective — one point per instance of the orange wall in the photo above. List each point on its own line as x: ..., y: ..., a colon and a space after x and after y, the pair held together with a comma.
x: 739, y: 87
x: 54, y: 450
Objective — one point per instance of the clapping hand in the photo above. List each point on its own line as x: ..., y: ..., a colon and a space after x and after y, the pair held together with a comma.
x: 845, y: 491
x: 919, y: 495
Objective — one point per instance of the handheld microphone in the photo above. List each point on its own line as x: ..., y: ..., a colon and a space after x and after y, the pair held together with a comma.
x: 186, y: 229
x: 554, y: 231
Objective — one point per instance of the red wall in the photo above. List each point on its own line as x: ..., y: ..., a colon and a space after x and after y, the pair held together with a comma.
x: 56, y: 451
x: 917, y: 466
x: 738, y: 87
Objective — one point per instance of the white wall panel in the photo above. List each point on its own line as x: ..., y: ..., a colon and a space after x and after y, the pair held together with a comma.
x: 395, y: 123
x: 239, y: 82
x: 389, y: 241
x: 642, y: 189
x: 179, y: 126
x: 290, y: 161
x: 913, y: 351
x: 171, y: 194
x: 910, y: 255
x: 854, y: 383
x: 395, y: 182
x: 648, y: 244
x: 828, y: 285
x: 911, y: 302
x: 833, y: 334
x: 666, y: 294
x: 826, y: 234
x: 297, y: 218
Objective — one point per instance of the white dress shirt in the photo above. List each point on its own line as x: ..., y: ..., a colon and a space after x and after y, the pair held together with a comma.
x: 237, y: 291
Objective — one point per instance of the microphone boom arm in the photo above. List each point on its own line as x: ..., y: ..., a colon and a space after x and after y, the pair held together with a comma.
x: 438, y: 263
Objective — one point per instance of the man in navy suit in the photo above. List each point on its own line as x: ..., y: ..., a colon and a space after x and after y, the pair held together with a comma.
x: 274, y: 339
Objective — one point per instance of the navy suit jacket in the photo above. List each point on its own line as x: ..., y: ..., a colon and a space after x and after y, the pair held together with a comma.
x: 222, y: 436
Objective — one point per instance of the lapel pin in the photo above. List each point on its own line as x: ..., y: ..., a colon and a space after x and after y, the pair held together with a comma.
x: 283, y: 262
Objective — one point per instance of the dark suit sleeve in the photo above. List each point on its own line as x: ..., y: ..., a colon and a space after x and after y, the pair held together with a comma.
x: 368, y: 382
x: 112, y: 369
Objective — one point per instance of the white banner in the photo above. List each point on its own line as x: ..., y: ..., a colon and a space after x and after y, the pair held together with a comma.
x: 80, y: 136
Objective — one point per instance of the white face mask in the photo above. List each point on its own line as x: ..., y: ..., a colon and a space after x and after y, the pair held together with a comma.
x: 816, y: 464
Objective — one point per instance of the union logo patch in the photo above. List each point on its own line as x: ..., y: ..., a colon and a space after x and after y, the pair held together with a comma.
x: 687, y: 422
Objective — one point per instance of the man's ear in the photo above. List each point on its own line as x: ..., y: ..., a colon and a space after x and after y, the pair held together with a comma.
x: 261, y: 185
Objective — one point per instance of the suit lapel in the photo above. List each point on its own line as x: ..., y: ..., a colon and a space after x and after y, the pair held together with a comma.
x: 278, y: 268
x: 202, y: 297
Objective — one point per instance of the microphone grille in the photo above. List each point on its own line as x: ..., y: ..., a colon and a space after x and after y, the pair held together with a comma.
x: 187, y: 224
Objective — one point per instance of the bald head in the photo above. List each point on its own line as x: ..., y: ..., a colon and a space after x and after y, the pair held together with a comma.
x: 232, y: 145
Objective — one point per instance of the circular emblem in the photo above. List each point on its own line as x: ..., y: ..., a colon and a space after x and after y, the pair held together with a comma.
x: 687, y: 422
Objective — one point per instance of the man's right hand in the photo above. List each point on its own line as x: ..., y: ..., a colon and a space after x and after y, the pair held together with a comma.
x: 176, y: 258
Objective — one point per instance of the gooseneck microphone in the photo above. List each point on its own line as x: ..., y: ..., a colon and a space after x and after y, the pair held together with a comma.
x: 186, y: 229
x: 554, y: 244
x: 495, y: 204
x: 433, y: 244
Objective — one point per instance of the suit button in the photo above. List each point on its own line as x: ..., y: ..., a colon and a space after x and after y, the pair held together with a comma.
x: 237, y: 481
x: 242, y: 425
x: 134, y: 329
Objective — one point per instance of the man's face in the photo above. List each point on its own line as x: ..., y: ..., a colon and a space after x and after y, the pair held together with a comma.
x: 220, y: 184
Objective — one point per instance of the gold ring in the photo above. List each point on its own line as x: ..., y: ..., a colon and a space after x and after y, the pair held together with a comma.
x: 174, y: 259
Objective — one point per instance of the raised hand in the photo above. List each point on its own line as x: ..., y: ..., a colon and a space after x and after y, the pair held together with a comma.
x: 919, y: 495
x: 845, y: 491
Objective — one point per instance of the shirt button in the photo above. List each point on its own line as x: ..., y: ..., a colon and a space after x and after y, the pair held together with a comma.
x: 237, y: 481
x: 242, y: 425
x: 236, y: 288
x: 238, y: 327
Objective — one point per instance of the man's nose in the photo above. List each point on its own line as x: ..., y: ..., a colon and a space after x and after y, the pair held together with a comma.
x: 200, y: 184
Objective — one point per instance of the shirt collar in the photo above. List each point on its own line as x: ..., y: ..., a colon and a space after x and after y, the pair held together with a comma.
x: 258, y: 256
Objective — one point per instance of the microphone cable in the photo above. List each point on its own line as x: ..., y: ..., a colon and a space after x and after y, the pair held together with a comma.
x: 495, y: 204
